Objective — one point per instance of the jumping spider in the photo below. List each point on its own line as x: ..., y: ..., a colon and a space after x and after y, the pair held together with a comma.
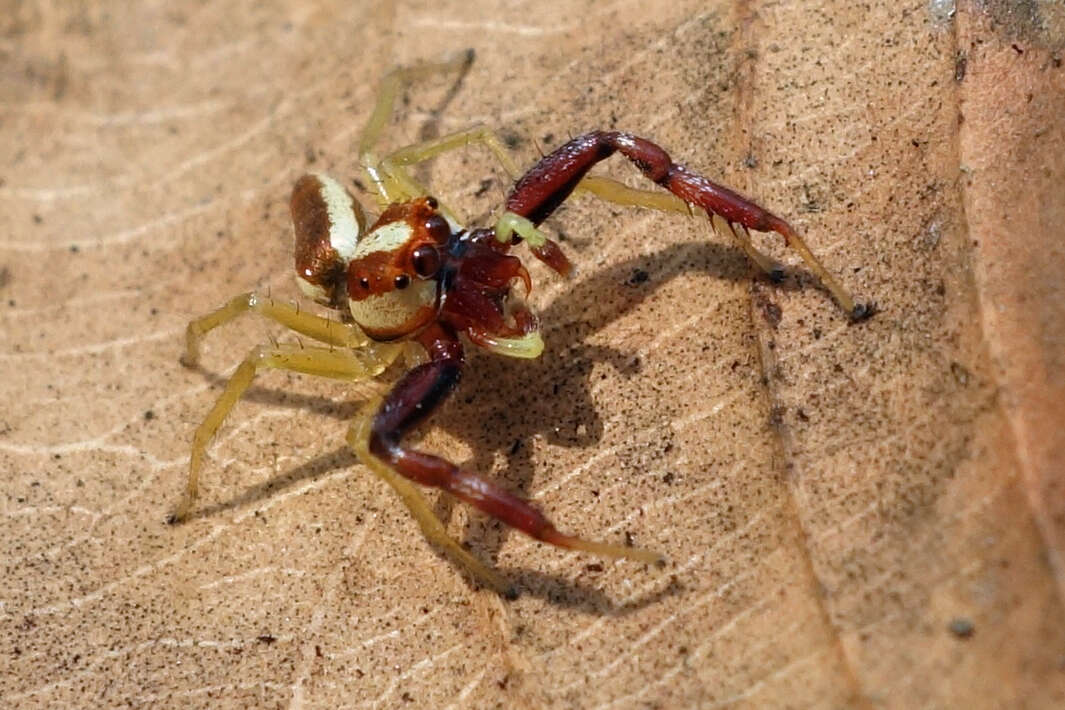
x: 417, y: 275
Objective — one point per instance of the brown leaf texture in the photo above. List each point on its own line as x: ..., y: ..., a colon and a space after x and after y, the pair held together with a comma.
x: 866, y: 515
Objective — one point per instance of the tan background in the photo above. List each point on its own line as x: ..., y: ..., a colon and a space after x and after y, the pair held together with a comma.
x: 838, y: 502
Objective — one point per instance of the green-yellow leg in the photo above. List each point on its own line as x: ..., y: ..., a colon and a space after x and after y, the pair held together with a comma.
x: 510, y: 224
x: 739, y: 233
x: 341, y: 364
x: 398, y: 180
x: 619, y: 193
x: 324, y: 330
x: 432, y: 528
x: 390, y: 87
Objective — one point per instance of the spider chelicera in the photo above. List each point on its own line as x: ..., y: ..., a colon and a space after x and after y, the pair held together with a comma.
x: 416, y: 275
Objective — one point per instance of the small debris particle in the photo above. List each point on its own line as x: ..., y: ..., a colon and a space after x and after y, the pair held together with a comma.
x: 1017, y: 49
x: 960, y: 65
x: 37, y: 219
x: 407, y: 697
x: 515, y: 446
x: 668, y: 478
x: 776, y: 417
x: 817, y: 333
x: 772, y: 314
x: 266, y: 638
x: 309, y: 155
x: 511, y: 140
x: 961, y: 627
x: 629, y: 539
x: 961, y: 375
x: 801, y: 415
x: 74, y: 249
x: 485, y: 185
x: 750, y: 161
x: 593, y: 567
x: 149, y: 415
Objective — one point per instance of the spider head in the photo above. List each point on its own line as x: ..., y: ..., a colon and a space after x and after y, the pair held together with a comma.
x: 387, y: 275
x: 393, y: 288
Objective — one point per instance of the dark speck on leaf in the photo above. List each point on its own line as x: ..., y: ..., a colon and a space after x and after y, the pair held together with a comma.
x: 961, y: 627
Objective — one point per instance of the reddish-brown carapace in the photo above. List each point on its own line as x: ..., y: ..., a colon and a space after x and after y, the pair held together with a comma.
x: 418, y: 276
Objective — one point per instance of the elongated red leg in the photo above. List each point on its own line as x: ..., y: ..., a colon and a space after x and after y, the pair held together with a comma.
x: 548, y: 183
x: 413, y: 399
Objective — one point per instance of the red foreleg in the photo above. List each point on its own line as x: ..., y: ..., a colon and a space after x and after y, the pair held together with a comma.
x: 413, y: 399
x: 547, y: 185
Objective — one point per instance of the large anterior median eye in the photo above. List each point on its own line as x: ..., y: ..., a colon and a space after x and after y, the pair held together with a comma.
x: 426, y: 261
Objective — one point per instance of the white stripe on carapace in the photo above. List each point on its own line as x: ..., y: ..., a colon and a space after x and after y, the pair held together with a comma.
x: 344, y: 227
x: 387, y: 237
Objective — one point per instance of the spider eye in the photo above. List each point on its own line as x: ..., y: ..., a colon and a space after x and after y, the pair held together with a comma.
x: 402, y: 281
x: 426, y: 261
x: 437, y: 228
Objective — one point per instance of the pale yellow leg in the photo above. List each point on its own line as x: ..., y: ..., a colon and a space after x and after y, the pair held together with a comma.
x: 341, y: 364
x: 390, y: 87
x: 620, y: 194
x: 432, y: 528
x: 324, y: 330
x: 739, y: 233
x: 478, y: 135
x: 393, y: 167
x: 842, y: 296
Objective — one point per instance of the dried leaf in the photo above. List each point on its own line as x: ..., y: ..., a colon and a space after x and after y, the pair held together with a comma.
x: 855, y: 515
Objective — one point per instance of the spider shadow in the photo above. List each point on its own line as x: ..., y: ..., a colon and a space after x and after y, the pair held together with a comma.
x: 555, y: 387
x: 503, y: 404
x: 582, y: 596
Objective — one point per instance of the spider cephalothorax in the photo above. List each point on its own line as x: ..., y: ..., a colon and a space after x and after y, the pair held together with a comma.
x: 417, y: 275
